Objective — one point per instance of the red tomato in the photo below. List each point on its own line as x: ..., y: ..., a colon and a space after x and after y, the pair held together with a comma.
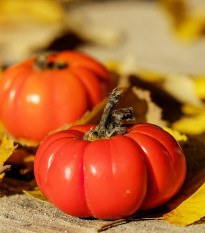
x: 109, y: 178
x: 34, y: 101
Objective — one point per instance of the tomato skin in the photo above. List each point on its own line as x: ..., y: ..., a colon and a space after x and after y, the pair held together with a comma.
x: 176, y: 158
x: 126, y: 189
x: 109, y: 178
x: 35, y: 102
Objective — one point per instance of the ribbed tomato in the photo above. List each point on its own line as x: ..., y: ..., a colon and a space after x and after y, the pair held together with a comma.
x: 108, y: 171
x: 109, y: 178
x: 41, y: 94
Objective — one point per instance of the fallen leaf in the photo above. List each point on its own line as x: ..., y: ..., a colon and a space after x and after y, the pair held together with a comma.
x: 191, y: 124
x: 2, y: 176
x: 182, y: 87
x: 37, y: 194
x: 199, y: 86
x: 6, y: 149
x: 176, y: 134
x: 191, y: 110
x: 188, y: 19
x: 189, y: 211
x: 192, y: 120
x: 187, y: 206
x: 43, y: 10
x: 176, y: 9
x: 145, y: 110
x: 21, y: 158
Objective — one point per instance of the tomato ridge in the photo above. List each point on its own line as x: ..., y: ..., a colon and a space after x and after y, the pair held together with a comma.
x: 46, y: 144
x: 162, y: 161
x: 50, y: 160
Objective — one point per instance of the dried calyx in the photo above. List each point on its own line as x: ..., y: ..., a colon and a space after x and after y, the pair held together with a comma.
x: 42, y: 63
x: 111, y: 121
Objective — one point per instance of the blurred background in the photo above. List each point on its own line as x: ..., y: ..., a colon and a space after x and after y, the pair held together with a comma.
x: 164, y: 36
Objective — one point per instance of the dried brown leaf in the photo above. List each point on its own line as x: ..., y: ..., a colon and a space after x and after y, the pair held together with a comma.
x: 145, y: 110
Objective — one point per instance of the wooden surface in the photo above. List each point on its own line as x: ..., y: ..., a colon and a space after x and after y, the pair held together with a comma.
x: 20, y: 213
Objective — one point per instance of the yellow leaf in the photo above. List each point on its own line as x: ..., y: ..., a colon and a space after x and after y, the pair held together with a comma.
x: 199, y: 88
x: 37, y: 194
x: 2, y: 176
x: 6, y: 149
x: 112, y: 65
x: 192, y: 110
x: 189, y: 211
x: 151, y: 76
x: 188, y: 18
x: 188, y: 205
x: 44, y: 10
x: 176, y: 134
x: 191, y: 125
x: 193, y: 121
x: 191, y: 28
